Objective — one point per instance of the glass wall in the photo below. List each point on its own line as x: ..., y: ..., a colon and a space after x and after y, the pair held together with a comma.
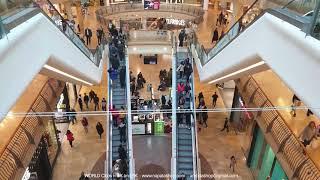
x: 262, y: 160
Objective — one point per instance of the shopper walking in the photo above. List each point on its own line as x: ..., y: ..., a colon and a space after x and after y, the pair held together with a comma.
x: 70, y: 137
x: 308, y: 134
x: 99, y: 128
x: 233, y: 163
x: 205, y: 116
x: 163, y: 100
x: 295, y: 103
x: 88, y: 34
x: 182, y: 36
x: 214, y: 99
x: 99, y: 35
x: 80, y: 102
x: 96, y: 102
x: 215, y: 36
x: 226, y: 125
x: 83, y: 176
x: 200, y: 97
x: 122, y: 130
x: 221, y: 36
x: 72, y: 115
x: 91, y: 95
x: 123, y: 77
x: 85, y: 124
x: 103, y: 104
x: 86, y: 100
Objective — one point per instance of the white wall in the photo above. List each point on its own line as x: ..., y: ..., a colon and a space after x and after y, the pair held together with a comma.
x: 31, y: 45
x: 292, y: 55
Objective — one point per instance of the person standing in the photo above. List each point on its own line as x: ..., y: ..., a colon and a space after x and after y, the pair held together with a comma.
x: 122, y: 129
x: 182, y: 35
x: 308, y: 134
x: 180, y: 69
x: 88, y: 34
x: 226, y: 125
x: 214, y: 99
x: 96, y: 102
x: 163, y: 100
x: 233, y: 163
x: 85, y: 124
x: 200, y: 97
x: 70, y: 137
x: 123, y: 77
x: 99, y: 35
x: 215, y: 36
x: 80, y: 102
x: 295, y: 103
x: 122, y: 153
x: 86, y: 100
x: 103, y: 104
x: 99, y: 128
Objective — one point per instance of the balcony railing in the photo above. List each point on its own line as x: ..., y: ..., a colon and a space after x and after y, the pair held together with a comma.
x: 196, y: 12
x: 27, y: 135
x: 274, y: 124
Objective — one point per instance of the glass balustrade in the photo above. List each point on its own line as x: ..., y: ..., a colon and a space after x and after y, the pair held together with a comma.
x: 293, y: 8
x: 10, y: 11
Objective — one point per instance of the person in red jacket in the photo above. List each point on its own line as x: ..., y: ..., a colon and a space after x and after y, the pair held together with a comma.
x: 180, y: 88
x: 70, y: 137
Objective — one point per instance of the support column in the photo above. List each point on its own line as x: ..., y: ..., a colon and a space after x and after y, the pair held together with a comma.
x: 107, y: 2
x: 205, y: 5
x: 144, y: 23
x: 3, y: 5
x: 216, y: 6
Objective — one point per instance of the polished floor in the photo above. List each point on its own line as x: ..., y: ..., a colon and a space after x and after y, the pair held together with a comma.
x: 151, y: 73
x: 268, y: 80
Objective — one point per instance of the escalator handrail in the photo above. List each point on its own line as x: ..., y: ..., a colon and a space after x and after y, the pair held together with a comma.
x: 274, y: 11
x: 37, y: 7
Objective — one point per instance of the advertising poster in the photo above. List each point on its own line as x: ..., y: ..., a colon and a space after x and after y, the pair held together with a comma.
x: 152, y: 4
x: 158, y: 127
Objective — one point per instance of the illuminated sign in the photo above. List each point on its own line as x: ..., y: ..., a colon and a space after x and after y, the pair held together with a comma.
x: 178, y: 22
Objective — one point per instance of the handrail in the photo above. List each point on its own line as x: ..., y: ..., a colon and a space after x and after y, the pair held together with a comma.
x: 174, y: 109
x: 284, y: 132
x: 24, y: 128
x: 61, y: 24
x: 29, y: 110
x: 285, y: 122
x: 238, y: 28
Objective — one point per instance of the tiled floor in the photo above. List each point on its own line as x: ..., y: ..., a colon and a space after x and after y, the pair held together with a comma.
x: 150, y: 73
x: 217, y: 147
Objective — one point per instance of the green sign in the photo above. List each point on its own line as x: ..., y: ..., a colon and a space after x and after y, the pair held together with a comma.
x: 158, y: 127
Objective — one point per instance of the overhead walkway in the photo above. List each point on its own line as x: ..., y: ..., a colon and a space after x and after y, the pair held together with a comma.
x: 39, y: 41
x: 275, y: 39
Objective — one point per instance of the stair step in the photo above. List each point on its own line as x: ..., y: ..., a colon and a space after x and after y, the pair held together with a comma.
x: 185, y: 148
x: 185, y: 153
x: 185, y: 166
x: 185, y: 160
x: 184, y: 142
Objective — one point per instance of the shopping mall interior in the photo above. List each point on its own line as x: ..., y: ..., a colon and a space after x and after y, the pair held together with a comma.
x: 159, y: 89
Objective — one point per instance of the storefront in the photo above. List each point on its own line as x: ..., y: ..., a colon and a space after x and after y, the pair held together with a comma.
x: 241, y: 119
x: 40, y: 167
x: 63, y: 105
x: 262, y: 160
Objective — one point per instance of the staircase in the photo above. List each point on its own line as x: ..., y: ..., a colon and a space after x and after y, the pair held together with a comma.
x: 184, y: 133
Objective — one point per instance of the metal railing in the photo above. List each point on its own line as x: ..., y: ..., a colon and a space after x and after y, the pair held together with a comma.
x: 289, y: 145
x: 28, y: 133
x: 26, y: 9
x: 103, y: 13
x: 310, y: 25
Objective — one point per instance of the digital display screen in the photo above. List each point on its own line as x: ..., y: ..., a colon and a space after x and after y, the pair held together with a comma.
x: 152, y: 4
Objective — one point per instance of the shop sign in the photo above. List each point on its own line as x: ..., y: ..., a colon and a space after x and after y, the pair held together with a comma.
x: 138, y: 129
x: 178, y: 22
x: 158, y: 127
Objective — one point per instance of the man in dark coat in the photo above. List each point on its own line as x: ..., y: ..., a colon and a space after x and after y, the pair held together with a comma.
x: 123, y: 77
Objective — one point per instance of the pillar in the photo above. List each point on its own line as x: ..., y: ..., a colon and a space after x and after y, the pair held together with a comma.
x: 216, y: 6
x: 3, y: 5
x: 67, y: 8
x: 144, y: 23
x: 107, y: 2
x: 205, y: 5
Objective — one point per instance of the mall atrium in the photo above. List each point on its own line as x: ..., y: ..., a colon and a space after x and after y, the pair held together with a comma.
x: 159, y: 89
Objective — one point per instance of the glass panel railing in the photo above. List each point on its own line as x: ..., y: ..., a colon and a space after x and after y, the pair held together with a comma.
x: 13, y: 11
x: 310, y: 23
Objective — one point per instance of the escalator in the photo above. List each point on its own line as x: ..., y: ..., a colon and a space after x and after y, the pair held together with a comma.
x: 35, y: 38
x: 118, y: 95
x: 280, y: 39
x: 186, y: 143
